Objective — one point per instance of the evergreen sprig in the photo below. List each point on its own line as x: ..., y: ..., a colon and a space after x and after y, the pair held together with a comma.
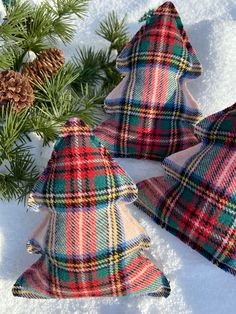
x: 35, y: 27
x: 89, y: 63
x: 52, y: 89
x: 67, y: 7
x: 114, y: 30
x: 98, y: 67
x: 57, y: 101
x: 147, y: 16
x: 18, y: 172
x: 20, y: 177
x: 28, y: 27
x: 11, y: 57
x: 77, y: 90
x: 11, y: 130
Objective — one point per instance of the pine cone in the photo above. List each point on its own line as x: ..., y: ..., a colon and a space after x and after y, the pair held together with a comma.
x: 47, y: 63
x: 15, y: 88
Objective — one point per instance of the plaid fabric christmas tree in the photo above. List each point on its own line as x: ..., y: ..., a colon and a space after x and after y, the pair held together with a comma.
x: 151, y: 116
x: 93, y: 246
x: 196, y: 200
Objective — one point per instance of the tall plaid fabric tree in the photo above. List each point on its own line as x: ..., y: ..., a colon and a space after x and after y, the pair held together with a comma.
x: 150, y: 117
x: 196, y: 200
x: 93, y: 246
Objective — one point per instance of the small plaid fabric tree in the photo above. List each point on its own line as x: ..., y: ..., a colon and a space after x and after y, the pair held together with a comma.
x: 151, y: 117
x: 92, y: 246
x: 196, y: 200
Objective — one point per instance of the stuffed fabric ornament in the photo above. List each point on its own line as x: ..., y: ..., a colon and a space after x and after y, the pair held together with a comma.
x: 196, y: 200
x: 93, y: 246
x: 151, y: 116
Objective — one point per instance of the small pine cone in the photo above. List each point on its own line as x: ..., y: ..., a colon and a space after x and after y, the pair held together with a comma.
x: 46, y: 64
x: 16, y: 89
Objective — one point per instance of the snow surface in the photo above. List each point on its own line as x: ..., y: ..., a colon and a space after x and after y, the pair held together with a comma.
x: 198, y: 286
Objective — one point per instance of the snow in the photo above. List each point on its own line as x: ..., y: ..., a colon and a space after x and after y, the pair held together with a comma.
x: 198, y: 286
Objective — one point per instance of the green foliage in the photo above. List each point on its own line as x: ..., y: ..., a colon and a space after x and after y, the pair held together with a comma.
x: 5, y: 60
x: 60, y: 14
x: 20, y: 177
x: 18, y: 172
x: 89, y: 63
x: 12, y: 127
x: 56, y: 102
x: 67, y: 7
x: 98, y: 67
x: 147, y: 16
x: 114, y: 31
x: 28, y: 27
x: 35, y: 27
x: 77, y: 90
x: 11, y: 57
x: 55, y: 88
x: 18, y: 12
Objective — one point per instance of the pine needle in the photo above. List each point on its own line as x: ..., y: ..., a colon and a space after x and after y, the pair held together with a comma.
x: 114, y: 30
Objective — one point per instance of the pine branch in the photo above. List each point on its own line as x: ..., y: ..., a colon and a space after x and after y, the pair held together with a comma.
x: 52, y: 89
x: 23, y: 168
x: 38, y: 28
x: 114, y: 31
x: 20, y: 24
x: 95, y: 67
x: 56, y: 101
x: 11, y: 129
x: 68, y: 105
x: 62, y: 21
x: 95, y: 70
x: 43, y: 126
x: 19, y: 171
x: 62, y: 29
x: 11, y: 57
x: 67, y: 7
x: 18, y: 12
x: 77, y: 90
x: 89, y: 107
x: 19, y: 178
x: 89, y: 63
x: 5, y: 60
x: 34, y: 27
x: 14, y: 24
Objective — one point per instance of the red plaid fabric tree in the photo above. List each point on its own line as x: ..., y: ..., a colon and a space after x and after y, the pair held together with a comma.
x: 92, y: 246
x: 151, y: 115
x: 196, y: 199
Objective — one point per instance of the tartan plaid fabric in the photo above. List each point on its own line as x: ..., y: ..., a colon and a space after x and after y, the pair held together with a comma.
x: 196, y: 200
x: 150, y: 115
x: 223, y: 131
x: 93, y: 246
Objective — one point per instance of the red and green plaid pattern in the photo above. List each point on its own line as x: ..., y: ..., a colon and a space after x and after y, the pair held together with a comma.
x: 219, y: 127
x: 196, y: 200
x: 93, y: 246
x: 81, y: 173
x: 150, y: 117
